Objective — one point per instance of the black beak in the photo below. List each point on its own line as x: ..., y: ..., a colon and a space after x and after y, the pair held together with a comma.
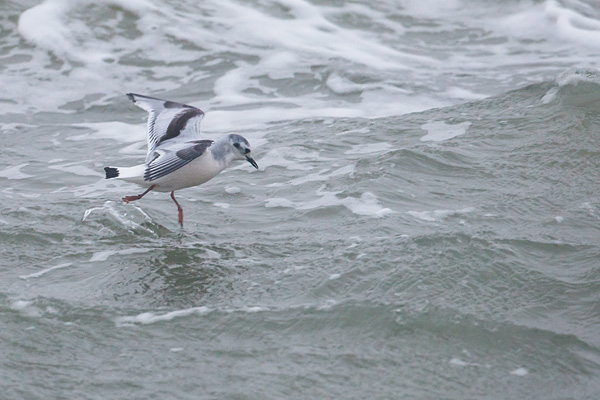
x: 251, y: 161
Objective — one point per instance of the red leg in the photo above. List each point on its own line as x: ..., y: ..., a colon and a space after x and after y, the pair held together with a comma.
x: 178, y: 208
x: 128, y: 199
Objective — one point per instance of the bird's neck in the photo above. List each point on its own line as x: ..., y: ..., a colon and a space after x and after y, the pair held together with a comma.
x: 222, y: 152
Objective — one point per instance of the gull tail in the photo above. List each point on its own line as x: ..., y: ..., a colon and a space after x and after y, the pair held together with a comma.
x: 133, y: 174
x: 111, y: 172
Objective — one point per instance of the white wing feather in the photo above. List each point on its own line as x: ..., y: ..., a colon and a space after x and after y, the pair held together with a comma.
x: 168, y: 121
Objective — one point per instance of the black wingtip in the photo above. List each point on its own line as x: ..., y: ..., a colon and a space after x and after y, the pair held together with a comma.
x: 111, y: 172
x: 132, y: 96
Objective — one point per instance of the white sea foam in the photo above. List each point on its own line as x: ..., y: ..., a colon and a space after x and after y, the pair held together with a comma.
x: 26, y: 307
x: 438, y: 215
x: 275, y: 202
x: 371, y: 70
x: 439, y: 131
x: 151, y: 318
x: 55, y: 27
x: 310, y: 32
x: 550, y: 95
x: 45, y: 271
x: 519, y: 372
x: 30, y: 195
x: 574, y: 26
x: 20, y: 304
x: 370, y: 148
x: 15, y: 172
x: 360, y: 131
x: 458, y: 362
x: 288, y: 158
x: 92, y: 190
x: 549, y: 21
x: 211, y: 254
x: 120, y: 215
x: 105, y: 254
x: 573, y: 77
x: 77, y: 169
x: 114, y: 130
x: 341, y: 85
x: 366, y: 205
x: 464, y: 94
x: 13, y: 126
x: 323, y: 175
x: 147, y: 318
x: 284, y: 47
x: 230, y: 189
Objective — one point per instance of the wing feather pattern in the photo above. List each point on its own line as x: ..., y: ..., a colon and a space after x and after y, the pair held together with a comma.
x: 168, y: 120
x: 166, y: 161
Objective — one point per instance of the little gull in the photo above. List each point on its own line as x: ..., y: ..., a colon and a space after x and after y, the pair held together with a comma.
x: 177, y: 156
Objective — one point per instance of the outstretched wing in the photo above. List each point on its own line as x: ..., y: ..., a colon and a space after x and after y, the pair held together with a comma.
x: 167, y: 160
x: 168, y: 120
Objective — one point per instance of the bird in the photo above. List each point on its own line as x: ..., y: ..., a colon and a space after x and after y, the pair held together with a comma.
x: 177, y: 155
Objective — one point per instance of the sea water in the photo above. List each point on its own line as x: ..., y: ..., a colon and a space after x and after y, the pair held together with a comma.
x: 424, y: 223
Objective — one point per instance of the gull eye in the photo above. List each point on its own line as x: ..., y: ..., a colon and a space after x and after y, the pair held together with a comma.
x: 237, y: 145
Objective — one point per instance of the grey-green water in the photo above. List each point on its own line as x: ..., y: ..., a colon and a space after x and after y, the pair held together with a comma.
x: 448, y: 253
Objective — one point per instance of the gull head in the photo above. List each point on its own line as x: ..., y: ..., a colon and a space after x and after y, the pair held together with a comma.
x: 241, y: 149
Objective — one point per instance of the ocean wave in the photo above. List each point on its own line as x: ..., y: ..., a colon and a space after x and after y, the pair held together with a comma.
x: 366, y: 205
x: 576, y: 87
x: 291, y: 58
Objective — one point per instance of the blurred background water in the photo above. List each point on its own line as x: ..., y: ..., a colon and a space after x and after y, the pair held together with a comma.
x: 424, y: 223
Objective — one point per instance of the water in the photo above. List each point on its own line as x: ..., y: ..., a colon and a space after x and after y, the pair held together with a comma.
x: 424, y: 223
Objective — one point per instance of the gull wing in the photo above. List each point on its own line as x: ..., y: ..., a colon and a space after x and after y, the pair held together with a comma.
x: 167, y: 160
x: 168, y: 120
